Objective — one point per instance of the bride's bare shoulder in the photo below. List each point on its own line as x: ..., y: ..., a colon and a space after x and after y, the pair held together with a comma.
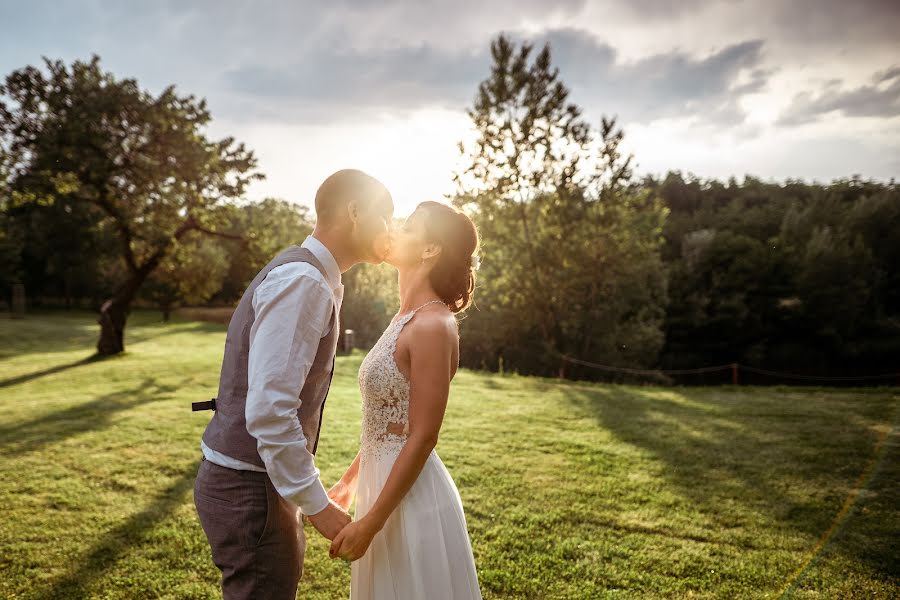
x: 435, y: 325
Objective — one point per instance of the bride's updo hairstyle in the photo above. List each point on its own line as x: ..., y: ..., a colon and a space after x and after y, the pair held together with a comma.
x: 453, y: 275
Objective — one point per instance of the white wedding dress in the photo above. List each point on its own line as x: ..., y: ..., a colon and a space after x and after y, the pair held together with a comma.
x: 423, y: 551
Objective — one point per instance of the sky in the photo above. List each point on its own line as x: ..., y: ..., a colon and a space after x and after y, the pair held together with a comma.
x: 801, y: 89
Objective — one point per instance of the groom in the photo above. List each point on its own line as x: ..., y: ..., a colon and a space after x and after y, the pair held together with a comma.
x: 257, y: 466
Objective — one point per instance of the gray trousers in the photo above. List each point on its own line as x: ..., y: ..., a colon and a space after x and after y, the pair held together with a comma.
x: 253, y: 532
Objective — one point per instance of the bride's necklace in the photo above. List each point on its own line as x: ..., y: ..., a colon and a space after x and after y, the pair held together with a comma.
x: 401, y: 315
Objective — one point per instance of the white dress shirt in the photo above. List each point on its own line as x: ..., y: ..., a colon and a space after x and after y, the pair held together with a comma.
x: 292, y: 308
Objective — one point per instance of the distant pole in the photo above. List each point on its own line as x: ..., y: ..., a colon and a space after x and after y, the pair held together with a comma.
x: 734, y: 374
x: 349, y: 342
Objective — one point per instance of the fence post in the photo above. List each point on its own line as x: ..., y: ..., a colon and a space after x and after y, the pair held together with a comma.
x: 348, y: 342
x: 734, y: 374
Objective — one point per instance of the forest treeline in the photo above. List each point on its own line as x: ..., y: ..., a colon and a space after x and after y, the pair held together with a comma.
x: 112, y: 196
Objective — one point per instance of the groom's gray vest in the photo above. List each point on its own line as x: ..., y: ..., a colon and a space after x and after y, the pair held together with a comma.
x: 227, y: 430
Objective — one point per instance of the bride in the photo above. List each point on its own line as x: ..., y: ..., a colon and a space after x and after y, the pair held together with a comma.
x: 409, y: 537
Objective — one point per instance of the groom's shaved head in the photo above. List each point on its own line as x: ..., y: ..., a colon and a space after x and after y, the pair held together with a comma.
x: 341, y: 188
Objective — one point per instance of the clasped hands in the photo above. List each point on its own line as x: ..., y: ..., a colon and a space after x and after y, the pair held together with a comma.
x: 349, y: 539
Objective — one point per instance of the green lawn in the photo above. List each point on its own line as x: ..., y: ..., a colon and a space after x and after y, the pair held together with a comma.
x: 571, y: 490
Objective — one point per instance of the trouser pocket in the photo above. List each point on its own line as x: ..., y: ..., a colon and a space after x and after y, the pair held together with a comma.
x: 232, y: 505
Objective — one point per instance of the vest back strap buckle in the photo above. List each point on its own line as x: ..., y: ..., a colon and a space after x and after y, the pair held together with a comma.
x: 208, y: 405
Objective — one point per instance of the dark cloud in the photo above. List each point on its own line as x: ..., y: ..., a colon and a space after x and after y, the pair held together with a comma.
x: 397, y: 78
x: 851, y: 24
x: 316, y: 61
x: 880, y: 98
x: 672, y: 84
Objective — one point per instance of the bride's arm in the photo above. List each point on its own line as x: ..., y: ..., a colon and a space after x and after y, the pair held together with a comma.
x: 430, y: 370
x: 429, y: 387
x: 344, y: 490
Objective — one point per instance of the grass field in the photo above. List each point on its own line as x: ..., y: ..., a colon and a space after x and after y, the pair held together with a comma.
x: 571, y: 490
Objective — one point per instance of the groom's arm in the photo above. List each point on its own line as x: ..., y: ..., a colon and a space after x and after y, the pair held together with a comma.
x: 292, y: 308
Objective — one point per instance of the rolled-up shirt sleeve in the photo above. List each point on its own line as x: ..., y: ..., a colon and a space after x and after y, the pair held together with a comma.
x: 292, y: 310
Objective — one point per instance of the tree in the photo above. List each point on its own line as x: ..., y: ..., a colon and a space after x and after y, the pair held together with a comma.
x: 793, y: 276
x: 190, y: 274
x: 11, y: 247
x: 876, y: 218
x: 266, y: 228
x: 724, y: 306
x: 141, y: 162
x: 370, y: 300
x: 836, y: 281
x: 571, y: 255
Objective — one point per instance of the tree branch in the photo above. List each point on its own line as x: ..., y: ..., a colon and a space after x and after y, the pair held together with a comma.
x: 221, y: 234
x: 124, y: 232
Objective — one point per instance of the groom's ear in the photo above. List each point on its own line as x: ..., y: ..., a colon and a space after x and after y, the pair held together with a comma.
x: 353, y: 212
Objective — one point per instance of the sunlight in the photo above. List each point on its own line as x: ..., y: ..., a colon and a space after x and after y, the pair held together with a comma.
x: 413, y: 156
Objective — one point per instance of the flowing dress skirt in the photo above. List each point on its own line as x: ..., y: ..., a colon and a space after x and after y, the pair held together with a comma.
x: 423, y: 551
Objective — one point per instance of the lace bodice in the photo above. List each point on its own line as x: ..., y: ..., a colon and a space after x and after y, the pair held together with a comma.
x: 385, y: 394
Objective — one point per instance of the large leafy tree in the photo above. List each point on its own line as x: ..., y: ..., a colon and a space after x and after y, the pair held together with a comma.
x: 571, y: 252
x: 142, y: 162
x: 190, y: 274
x: 266, y: 228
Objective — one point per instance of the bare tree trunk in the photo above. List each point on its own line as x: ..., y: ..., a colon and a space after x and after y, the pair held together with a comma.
x: 114, y: 312
x: 113, y: 315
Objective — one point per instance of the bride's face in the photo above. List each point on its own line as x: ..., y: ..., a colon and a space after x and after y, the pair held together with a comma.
x: 408, y: 244
x: 371, y: 231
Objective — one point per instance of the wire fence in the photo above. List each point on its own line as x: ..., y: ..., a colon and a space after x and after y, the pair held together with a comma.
x: 738, y: 374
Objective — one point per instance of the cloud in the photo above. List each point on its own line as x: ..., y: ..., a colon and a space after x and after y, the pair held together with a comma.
x: 666, y: 9
x: 880, y: 98
x: 666, y: 85
x: 836, y: 22
x: 694, y: 68
x: 392, y: 79
x: 330, y: 82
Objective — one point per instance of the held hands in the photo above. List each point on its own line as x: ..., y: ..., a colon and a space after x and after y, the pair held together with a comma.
x: 330, y: 521
x: 353, y: 540
x: 341, y: 495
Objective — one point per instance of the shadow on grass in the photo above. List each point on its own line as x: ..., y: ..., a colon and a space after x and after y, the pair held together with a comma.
x: 119, y: 541
x: 50, y: 371
x: 148, y: 332
x: 784, y: 464
x: 24, y: 437
x: 57, y: 331
x: 870, y: 531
